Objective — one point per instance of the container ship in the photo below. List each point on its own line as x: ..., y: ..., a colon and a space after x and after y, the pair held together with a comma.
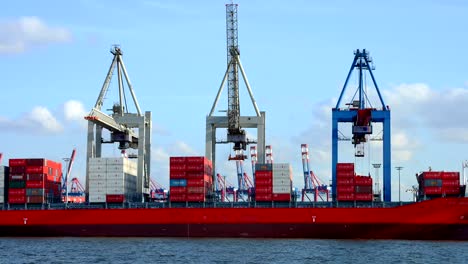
x: 120, y: 199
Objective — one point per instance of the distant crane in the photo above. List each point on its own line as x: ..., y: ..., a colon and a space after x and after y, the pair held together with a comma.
x: 234, y: 122
x: 67, y: 175
x: 157, y: 191
x: 76, y: 193
x: 269, y: 154
x: 361, y: 114
x: 1, y: 157
x: 224, y: 189
x: 312, y: 184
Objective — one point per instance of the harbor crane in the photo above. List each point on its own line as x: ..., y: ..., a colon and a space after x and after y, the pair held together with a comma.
x: 157, y: 191
x: 312, y: 184
x: 361, y: 114
x: 67, y: 175
x: 234, y: 121
x: 122, y: 125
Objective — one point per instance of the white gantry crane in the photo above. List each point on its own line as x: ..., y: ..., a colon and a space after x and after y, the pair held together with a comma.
x: 234, y: 122
x: 122, y: 125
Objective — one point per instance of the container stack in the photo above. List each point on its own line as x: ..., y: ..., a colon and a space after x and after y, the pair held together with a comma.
x: 3, y: 183
x: 437, y: 183
x: 363, y: 188
x: 112, y: 180
x: 282, y: 182
x: 263, y: 182
x: 273, y: 182
x: 345, y: 187
x: 34, y: 181
x: 190, y: 179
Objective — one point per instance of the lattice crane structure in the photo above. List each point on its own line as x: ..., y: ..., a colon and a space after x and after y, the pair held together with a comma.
x: 234, y: 121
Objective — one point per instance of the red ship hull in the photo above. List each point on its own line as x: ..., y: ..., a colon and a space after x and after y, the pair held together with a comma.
x: 438, y: 219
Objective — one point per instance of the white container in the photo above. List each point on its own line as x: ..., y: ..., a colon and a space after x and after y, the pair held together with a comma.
x: 97, y: 161
x: 282, y: 189
x: 97, y: 198
x: 97, y: 168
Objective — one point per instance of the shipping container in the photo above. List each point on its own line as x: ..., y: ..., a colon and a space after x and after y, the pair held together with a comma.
x: 115, y: 198
x: 345, y: 196
x: 17, y: 177
x: 431, y: 190
x: 363, y: 189
x: 177, y: 190
x: 345, y: 167
x: 259, y: 182
x: 16, y: 162
x: 16, y: 199
x: 263, y: 175
x: 178, y: 197
x: 345, y: 188
x: 13, y: 192
x: 35, y: 199
x: 363, y: 180
x: 195, y: 197
x: 17, y: 184
x: 35, y: 184
x: 195, y: 182
x: 432, y: 182
x: 263, y: 197
x: 177, y: 167
x: 177, y: 174
x: 451, y: 183
x: 178, y: 182
x: 363, y: 196
x: 263, y: 167
x: 195, y: 190
x: 455, y: 190
x: 177, y: 160
x: 36, y: 177
x: 263, y: 189
x: 345, y: 174
x: 17, y: 169
x: 432, y: 175
x: 451, y: 175
x: 283, y: 197
x: 344, y: 181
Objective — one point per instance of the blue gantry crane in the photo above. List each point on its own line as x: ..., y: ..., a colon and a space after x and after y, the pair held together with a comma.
x: 360, y: 112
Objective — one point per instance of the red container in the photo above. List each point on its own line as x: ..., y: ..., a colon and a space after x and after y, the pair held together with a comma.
x: 363, y: 189
x: 345, y: 196
x: 53, y: 178
x: 177, y: 197
x: 432, y: 190
x: 450, y: 176
x: 35, y: 184
x: 196, y: 197
x: 263, y: 190
x: 451, y: 190
x: 345, y: 181
x: 197, y: 160
x: 191, y: 190
x: 345, y: 167
x: 177, y: 174
x: 37, y: 199
x: 197, y: 168
x: 177, y: 190
x: 36, y: 177
x: 363, y: 196
x: 432, y: 175
x: 263, y: 197
x: 281, y: 197
x: 17, y: 162
x: 451, y: 183
x: 38, y: 169
x: 345, y: 188
x: 363, y: 180
x: 17, y: 177
x: 177, y: 160
x: 345, y: 174
x: 177, y: 167
x: 199, y: 174
x: 259, y: 182
x: 17, y: 169
x: 194, y: 182
x: 17, y: 192
x: 115, y: 198
x: 16, y: 199
x: 263, y: 175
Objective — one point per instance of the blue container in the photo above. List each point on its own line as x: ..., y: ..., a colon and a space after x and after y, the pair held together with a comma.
x: 178, y: 182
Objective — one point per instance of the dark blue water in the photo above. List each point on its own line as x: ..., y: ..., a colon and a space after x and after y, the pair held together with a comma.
x: 229, y: 251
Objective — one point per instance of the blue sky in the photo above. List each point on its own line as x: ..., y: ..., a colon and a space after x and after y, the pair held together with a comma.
x: 55, y: 55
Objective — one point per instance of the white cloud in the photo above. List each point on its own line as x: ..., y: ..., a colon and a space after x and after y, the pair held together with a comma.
x: 74, y: 111
x: 38, y: 120
x: 21, y: 34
